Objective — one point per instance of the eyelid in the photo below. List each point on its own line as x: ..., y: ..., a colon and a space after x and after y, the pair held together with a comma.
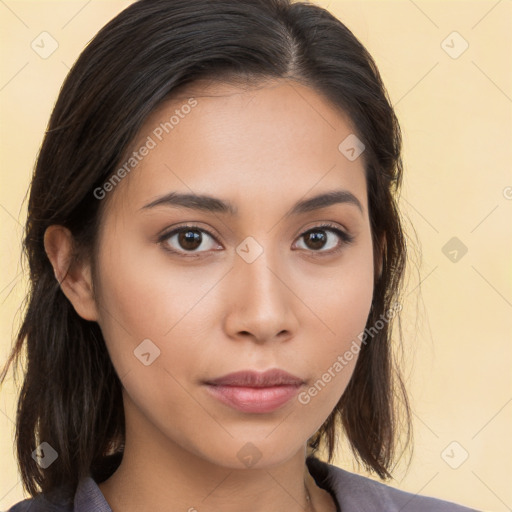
x: 329, y: 226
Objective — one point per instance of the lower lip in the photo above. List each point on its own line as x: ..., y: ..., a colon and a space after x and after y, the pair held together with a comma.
x: 253, y: 400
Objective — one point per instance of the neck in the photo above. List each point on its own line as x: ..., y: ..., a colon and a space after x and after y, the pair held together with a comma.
x: 160, y: 475
x: 144, y: 482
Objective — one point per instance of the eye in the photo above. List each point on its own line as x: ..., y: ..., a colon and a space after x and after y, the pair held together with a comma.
x: 325, y: 238
x: 192, y: 240
x: 188, y: 239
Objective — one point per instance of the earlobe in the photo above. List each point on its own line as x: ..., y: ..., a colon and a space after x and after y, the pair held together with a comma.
x: 74, y: 276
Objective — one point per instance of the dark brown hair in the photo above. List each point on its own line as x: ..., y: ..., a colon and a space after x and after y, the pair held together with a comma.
x: 71, y: 395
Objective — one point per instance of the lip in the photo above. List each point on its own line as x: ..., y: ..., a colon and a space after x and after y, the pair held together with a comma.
x: 255, y: 392
x: 254, y: 379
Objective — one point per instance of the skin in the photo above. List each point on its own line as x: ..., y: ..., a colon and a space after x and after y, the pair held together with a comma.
x: 296, y: 308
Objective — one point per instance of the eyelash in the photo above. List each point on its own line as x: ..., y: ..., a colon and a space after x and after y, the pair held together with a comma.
x: 346, y: 239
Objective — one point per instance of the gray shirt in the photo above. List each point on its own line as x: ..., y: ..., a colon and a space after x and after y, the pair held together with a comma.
x: 351, y: 493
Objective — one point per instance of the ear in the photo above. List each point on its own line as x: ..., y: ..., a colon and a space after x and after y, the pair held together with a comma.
x: 380, y: 252
x: 74, y: 276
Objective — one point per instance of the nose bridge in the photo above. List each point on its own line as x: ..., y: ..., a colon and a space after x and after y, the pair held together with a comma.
x: 261, y: 304
x: 260, y: 276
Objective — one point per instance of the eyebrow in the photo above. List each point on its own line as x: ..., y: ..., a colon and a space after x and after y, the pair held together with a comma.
x: 215, y: 205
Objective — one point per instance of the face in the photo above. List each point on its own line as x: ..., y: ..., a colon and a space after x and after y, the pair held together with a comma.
x: 189, y: 290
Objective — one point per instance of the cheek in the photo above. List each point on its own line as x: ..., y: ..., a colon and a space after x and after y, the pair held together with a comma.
x: 351, y: 302
x: 143, y: 320
x: 342, y: 297
x: 136, y: 301
x: 140, y: 292
x: 342, y: 302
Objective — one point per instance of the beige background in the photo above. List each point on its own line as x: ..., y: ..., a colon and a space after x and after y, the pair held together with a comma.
x: 456, y: 118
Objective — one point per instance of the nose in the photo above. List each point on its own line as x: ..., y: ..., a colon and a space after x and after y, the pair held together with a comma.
x: 262, y: 305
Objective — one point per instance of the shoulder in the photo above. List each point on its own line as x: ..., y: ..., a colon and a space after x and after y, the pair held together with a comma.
x: 39, y: 504
x: 356, y: 493
x: 58, y: 500
x: 85, y: 498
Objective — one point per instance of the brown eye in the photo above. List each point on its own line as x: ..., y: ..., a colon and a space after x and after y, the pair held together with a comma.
x: 315, y: 239
x: 326, y: 239
x: 189, y: 239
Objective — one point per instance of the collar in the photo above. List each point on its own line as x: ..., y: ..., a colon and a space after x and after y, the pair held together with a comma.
x: 89, y: 497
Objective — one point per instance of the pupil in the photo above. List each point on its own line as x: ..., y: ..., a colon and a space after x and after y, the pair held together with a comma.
x: 190, y: 239
x: 317, y: 238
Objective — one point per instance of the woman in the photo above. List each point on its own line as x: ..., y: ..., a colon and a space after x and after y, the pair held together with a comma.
x: 215, y: 260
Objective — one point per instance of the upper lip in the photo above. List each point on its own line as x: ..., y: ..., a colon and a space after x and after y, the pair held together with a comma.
x: 254, y: 379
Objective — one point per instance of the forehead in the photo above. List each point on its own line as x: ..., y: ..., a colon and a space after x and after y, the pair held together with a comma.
x: 274, y: 138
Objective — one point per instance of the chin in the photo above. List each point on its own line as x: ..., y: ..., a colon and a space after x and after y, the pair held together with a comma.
x: 255, y: 454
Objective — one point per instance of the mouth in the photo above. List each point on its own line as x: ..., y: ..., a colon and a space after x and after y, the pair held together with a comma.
x: 255, y: 392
